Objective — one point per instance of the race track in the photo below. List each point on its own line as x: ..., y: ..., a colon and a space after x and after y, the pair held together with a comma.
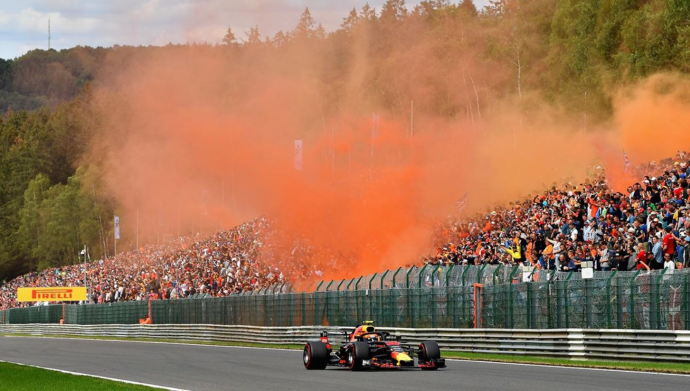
x: 196, y: 367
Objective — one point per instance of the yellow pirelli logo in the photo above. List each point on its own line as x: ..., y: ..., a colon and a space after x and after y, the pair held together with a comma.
x: 51, y: 294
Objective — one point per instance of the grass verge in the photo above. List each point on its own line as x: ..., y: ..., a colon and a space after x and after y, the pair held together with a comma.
x: 21, y: 377
x: 640, y: 366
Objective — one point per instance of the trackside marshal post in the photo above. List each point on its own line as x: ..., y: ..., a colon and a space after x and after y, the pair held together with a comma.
x: 52, y: 294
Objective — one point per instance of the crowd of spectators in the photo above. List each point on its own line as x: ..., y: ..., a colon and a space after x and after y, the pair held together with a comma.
x: 646, y: 227
x: 220, y: 265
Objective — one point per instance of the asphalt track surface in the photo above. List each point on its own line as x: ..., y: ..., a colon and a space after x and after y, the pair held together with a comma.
x: 198, y: 367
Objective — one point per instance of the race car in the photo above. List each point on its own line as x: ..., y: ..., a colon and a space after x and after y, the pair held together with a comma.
x: 367, y: 349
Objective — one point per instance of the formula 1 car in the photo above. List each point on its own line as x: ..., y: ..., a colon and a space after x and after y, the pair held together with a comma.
x: 365, y: 348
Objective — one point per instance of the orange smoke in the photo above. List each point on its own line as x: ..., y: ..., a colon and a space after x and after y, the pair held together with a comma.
x: 651, y: 122
x: 199, y: 139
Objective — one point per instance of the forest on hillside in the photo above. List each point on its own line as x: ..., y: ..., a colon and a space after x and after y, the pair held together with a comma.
x: 453, y: 60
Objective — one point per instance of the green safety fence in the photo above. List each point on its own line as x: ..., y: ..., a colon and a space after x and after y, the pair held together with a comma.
x: 625, y: 300
x: 35, y: 314
x: 424, y: 297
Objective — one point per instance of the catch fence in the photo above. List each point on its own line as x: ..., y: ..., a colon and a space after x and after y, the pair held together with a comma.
x: 456, y: 298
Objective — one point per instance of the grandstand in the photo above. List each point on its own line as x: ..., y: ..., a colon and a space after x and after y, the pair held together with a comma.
x: 549, y: 236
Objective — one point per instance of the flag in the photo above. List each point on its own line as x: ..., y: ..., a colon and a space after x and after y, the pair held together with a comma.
x: 627, y: 161
x: 298, y: 155
x: 461, y: 204
x: 117, y: 227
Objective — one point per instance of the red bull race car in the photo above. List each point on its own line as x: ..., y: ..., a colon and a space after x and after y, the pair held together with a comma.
x: 367, y: 349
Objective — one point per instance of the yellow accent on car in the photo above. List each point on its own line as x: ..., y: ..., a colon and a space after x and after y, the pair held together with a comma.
x: 402, y: 357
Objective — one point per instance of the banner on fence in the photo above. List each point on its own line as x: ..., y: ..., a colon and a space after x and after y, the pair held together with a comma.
x: 51, y: 294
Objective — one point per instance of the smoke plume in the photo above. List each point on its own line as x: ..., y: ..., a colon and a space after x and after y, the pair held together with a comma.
x: 196, y: 139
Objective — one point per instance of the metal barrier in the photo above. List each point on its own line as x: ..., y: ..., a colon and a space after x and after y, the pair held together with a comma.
x: 672, y: 346
x: 435, y: 298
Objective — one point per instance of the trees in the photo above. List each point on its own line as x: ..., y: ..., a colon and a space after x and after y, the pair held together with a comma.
x: 229, y: 39
x: 45, y: 214
x: 253, y: 36
x: 393, y: 11
x: 306, y: 27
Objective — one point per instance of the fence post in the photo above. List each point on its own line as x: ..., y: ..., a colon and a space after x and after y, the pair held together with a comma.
x: 655, y: 300
x: 358, y: 312
x: 408, y: 299
x: 450, y: 301
x: 420, y: 276
x: 609, y: 311
x: 588, y: 303
x: 686, y: 303
x: 619, y: 301
x: 380, y: 296
x: 478, y: 306
x: 407, y: 277
x: 370, y: 298
x: 496, y: 272
x: 566, y: 298
x: 480, y: 273
x: 433, y: 304
x: 395, y: 276
x: 464, y: 273
x: 631, y: 313
x: 383, y: 277
x: 304, y: 309
x: 462, y: 291
x: 494, y: 289
x: 450, y: 268
x: 530, y: 298
x: 549, y: 297
x: 510, y: 320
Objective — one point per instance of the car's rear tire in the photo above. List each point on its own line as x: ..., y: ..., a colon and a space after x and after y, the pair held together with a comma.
x: 315, y: 355
x: 429, y: 350
x: 356, y: 355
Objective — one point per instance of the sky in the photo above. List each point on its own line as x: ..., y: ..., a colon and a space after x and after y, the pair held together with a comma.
x: 24, y: 23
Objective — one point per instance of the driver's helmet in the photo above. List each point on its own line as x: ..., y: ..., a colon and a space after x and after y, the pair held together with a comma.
x: 371, y: 337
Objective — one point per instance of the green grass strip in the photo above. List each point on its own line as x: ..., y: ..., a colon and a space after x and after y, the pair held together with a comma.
x: 14, y: 377
x: 640, y: 366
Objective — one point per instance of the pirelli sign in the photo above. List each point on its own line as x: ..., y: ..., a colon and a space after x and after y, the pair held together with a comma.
x: 51, y: 294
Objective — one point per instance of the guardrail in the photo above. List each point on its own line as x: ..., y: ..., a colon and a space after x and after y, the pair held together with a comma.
x: 671, y: 346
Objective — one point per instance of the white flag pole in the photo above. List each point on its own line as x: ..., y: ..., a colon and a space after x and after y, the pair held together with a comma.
x: 116, y: 232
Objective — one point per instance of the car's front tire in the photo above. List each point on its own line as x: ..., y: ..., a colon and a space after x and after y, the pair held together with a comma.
x: 358, y: 352
x: 428, y: 351
x: 315, y: 355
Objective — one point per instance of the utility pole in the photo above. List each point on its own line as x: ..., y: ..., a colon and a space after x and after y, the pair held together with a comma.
x: 86, y: 285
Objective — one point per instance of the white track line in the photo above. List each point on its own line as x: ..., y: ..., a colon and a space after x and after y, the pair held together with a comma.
x: 569, y: 367
x: 157, y: 342
x: 294, y: 350
x: 96, y: 376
